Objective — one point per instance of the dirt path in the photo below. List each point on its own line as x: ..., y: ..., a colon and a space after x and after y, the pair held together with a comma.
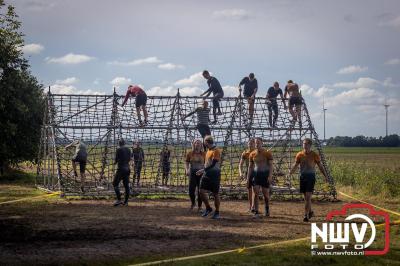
x: 89, y: 232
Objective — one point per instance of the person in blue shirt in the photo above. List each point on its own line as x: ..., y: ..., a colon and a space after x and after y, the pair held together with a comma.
x: 250, y: 89
x: 213, y: 87
x: 272, y: 103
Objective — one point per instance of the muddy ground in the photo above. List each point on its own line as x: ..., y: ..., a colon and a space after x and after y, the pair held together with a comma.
x: 57, y: 231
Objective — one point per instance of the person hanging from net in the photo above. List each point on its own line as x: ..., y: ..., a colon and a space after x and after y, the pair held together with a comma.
x: 307, y: 159
x: 80, y: 156
x: 137, y: 161
x: 260, y: 163
x: 195, y: 162
x: 165, y: 164
x: 213, y: 87
x: 211, y: 177
x: 272, y: 104
x: 244, y: 160
x: 140, y: 102
x: 295, y: 100
x: 250, y: 90
x: 203, y: 119
x: 122, y: 157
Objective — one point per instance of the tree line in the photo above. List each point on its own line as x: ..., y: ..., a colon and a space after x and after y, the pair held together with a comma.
x: 363, y: 141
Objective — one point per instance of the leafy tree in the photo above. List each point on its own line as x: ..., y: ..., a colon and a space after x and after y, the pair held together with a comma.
x: 21, y: 96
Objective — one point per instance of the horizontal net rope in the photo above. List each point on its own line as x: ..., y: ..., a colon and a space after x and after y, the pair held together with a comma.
x: 100, y: 121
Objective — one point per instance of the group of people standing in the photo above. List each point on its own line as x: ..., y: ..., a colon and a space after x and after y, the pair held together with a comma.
x: 203, y: 169
x: 204, y: 172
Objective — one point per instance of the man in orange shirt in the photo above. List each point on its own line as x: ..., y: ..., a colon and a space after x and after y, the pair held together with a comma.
x: 211, y: 177
x: 261, y: 164
x: 244, y: 159
x: 307, y: 159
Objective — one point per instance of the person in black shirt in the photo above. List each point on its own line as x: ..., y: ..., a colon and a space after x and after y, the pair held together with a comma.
x: 213, y: 87
x: 122, y: 157
x: 272, y: 95
x: 250, y: 89
x: 138, y: 160
x: 165, y: 164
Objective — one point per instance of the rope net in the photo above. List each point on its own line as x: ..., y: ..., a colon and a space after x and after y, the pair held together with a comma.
x: 99, y: 121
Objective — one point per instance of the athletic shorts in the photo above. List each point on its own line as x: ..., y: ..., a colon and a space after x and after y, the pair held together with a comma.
x: 166, y: 167
x: 121, y: 174
x: 204, y: 130
x: 273, y: 106
x: 211, y: 181
x: 295, y: 101
x: 307, y: 182
x: 217, y: 98
x: 248, y: 93
x: 261, y: 178
x: 250, y: 182
x: 82, y: 163
x: 141, y: 100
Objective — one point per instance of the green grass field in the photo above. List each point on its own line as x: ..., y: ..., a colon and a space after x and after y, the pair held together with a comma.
x: 370, y: 174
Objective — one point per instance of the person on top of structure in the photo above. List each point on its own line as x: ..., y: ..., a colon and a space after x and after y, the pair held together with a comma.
x: 213, y: 87
x: 140, y: 102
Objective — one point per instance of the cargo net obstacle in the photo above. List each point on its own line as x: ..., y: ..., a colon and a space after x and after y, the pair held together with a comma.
x: 100, y: 121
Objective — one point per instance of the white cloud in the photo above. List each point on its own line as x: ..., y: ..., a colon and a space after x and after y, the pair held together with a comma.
x: 67, y: 81
x: 393, y: 61
x: 395, y: 23
x: 194, y: 80
x: 162, y: 91
x: 32, y: 48
x: 138, y: 62
x: 306, y: 89
x: 191, y: 91
x: 232, y: 14
x: 170, y: 66
x: 230, y: 91
x: 361, y: 82
x: 70, y: 58
x: 119, y: 81
x: 69, y: 89
x: 352, y: 69
x: 172, y: 91
x: 359, y: 96
x: 39, y: 5
x: 388, y: 82
x: 321, y: 92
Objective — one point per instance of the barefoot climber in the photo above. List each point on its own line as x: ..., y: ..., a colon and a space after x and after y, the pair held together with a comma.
x: 141, y: 100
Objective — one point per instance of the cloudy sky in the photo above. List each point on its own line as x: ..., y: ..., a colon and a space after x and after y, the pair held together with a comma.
x: 346, y: 52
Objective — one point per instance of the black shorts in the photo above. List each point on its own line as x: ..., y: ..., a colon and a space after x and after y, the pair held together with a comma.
x: 261, y: 178
x: 248, y: 93
x: 295, y: 101
x: 250, y: 181
x: 166, y: 167
x: 211, y: 181
x: 141, y: 100
x: 204, y: 130
x: 307, y: 182
x: 121, y: 174
x: 273, y: 106
x: 82, y: 163
x: 217, y: 98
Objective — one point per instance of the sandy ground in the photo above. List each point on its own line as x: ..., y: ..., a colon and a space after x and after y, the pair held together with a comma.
x: 91, y: 232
